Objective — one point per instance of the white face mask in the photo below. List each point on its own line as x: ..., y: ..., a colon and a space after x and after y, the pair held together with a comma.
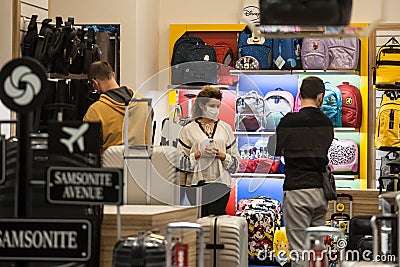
x: 211, y: 113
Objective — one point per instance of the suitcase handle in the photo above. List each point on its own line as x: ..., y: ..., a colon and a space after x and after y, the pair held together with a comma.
x: 339, y: 214
x: 343, y: 195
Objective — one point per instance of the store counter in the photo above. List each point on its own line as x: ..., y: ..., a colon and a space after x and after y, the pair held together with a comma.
x: 365, y: 202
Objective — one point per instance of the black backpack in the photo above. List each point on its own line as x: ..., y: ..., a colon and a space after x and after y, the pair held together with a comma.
x: 192, y: 48
x: 193, y: 62
x: 29, y: 42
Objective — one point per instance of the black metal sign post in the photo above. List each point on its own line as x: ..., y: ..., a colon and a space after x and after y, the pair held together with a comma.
x: 23, y: 86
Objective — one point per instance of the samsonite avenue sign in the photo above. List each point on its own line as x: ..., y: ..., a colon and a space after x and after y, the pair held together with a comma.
x: 45, y: 239
x: 84, y: 186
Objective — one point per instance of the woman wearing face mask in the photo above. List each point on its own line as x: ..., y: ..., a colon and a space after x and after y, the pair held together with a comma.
x: 209, y: 153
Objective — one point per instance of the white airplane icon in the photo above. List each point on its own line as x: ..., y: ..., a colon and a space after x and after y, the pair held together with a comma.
x: 76, y: 136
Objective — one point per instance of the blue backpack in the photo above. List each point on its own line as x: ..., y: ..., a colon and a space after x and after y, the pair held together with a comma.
x: 260, y: 50
x: 332, y: 104
x: 289, y: 50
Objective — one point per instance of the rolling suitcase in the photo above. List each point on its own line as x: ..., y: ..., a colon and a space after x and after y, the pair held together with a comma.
x: 264, y: 217
x: 144, y: 250
x: 225, y: 237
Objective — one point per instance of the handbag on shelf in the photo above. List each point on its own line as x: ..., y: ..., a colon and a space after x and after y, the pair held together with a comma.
x: 329, y: 185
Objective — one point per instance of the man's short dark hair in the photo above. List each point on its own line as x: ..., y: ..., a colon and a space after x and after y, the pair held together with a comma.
x: 100, y: 70
x: 311, y: 87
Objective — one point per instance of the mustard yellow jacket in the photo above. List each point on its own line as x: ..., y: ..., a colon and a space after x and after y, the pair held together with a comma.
x: 109, y: 110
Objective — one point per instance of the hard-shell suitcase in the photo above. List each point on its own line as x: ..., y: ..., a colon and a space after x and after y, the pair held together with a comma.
x: 264, y: 216
x: 144, y: 250
x: 225, y: 237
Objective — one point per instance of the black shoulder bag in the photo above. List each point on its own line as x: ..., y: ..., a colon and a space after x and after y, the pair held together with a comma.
x: 329, y: 184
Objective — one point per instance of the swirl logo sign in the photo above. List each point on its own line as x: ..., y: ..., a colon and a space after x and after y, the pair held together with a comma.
x: 23, y: 84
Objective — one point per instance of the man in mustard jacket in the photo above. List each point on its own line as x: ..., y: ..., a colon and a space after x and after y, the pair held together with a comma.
x: 109, y: 110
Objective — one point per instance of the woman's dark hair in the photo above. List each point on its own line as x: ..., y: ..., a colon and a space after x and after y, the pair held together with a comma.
x: 207, y: 92
x: 311, y: 87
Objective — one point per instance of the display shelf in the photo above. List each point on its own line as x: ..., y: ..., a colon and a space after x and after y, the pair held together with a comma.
x: 344, y: 129
x: 282, y: 176
x: 386, y: 87
x: 345, y: 176
x: 336, y: 130
x: 258, y: 175
x: 286, y: 72
x: 253, y: 133
x: 196, y: 87
x: 69, y: 76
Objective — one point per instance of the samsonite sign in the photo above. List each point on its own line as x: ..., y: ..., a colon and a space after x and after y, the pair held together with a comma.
x: 45, y: 239
x: 84, y: 186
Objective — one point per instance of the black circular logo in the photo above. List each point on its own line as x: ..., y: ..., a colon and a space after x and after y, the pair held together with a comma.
x: 23, y: 84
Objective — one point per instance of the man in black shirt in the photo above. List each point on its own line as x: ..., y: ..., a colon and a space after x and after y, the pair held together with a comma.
x: 303, y: 138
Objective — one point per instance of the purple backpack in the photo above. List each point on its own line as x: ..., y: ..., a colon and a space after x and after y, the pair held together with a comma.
x: 314, y: 54
x: 343, y: 53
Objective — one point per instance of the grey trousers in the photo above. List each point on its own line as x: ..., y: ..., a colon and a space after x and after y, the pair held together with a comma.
x: 301, y: 209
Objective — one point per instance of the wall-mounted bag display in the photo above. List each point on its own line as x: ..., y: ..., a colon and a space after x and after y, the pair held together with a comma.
x: 343, y: 155
x: 343, y: 53
x: 306, y: 12
x: 258, y: 47
x: 351, y: 105
x: 249, y: 112
x: 332, y: 104
x: 388, y: 123
x: 314, y: 54
x: 193, y: 62
x: 286, y: 53
x: 247, y: 63
x: 387, y: 68
x: 277, y: 104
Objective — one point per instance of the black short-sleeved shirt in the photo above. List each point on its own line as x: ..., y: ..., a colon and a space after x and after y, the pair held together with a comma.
x: 303, y: 138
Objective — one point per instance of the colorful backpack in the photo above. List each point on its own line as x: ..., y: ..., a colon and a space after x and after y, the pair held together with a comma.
x: 343, y: 155
x: 286, y: 53
x: 343, y: 53
x: 332, y: 104
x: 387, y: 69
x: 314, y: 54
x: 388, y: 123
x: 351, y: 105
x: 247, y: 63
x: 259, y: 48
x: 249, y: 112
x: 277, y: 104
x: 297, y: 102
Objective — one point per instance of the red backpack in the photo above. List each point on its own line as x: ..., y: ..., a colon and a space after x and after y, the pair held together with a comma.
x: 351, y: 105
x: 226, y: 61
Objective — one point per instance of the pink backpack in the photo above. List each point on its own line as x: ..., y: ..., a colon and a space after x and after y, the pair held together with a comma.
x: 343, y: 155
x: 297, y: 103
